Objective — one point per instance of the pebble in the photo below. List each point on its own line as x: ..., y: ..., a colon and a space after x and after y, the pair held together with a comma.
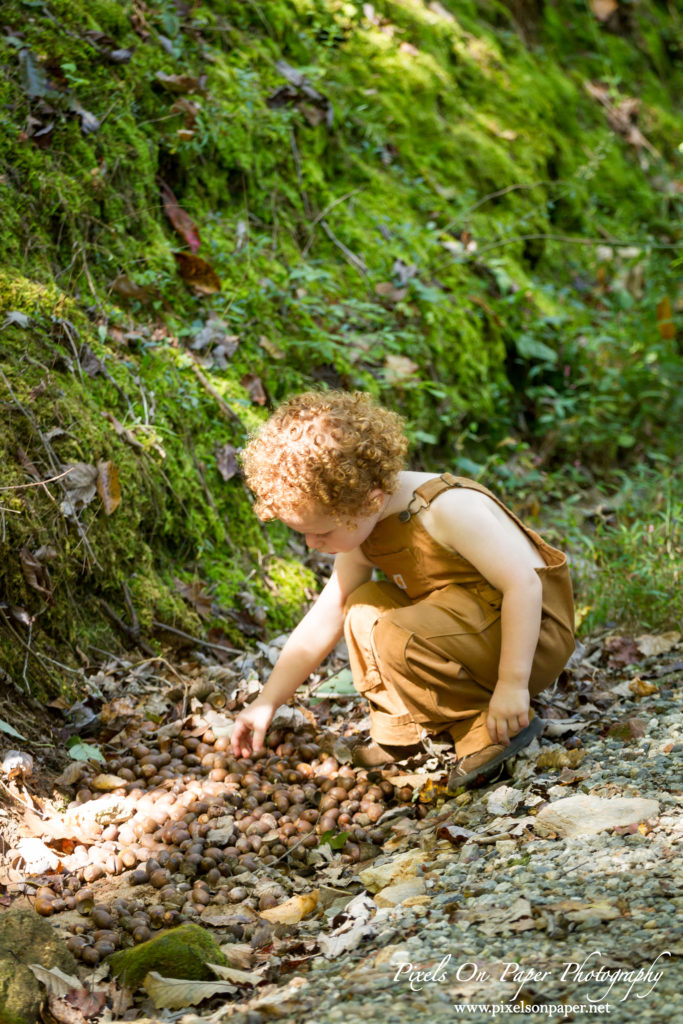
x: 465, y: 922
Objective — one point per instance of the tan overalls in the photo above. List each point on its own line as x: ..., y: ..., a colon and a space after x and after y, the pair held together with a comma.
x: 424, y: 645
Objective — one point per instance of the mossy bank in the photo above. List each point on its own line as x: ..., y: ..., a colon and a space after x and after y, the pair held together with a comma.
x: 469, y: 209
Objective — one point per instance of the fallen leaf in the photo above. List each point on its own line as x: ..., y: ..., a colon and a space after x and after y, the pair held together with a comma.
x: 10, y: 730
x: 603, y: 9
x: 80, y: 484
x: 90, y: 1004
x: 665, y: 323
x: 195, y: 595
x: 80, y: 751
x: 105, y: 782
x: 197, y: 273
x: 622, y: 651
x: 36, y: 574
x: 254, y: 386
x: 179, y: 218
x: 179, y: 83
x: 293, y: 909
x: 398, y: 369
x: 454, y: 834
x: 55, y: 981
x: 641, y: 688
x: 176, y: 994
x: 226, y: 461
x: 235, y: 975
x: 387, y: 290
x: 650, y: 646
x: 129, y: 289
x: 108, y: 486
x: 271, y: 348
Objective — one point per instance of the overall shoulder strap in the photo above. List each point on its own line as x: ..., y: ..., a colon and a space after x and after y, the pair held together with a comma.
x: 424, y: 495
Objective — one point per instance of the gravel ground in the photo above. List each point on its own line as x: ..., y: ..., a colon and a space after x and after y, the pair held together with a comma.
x: 587, y: 924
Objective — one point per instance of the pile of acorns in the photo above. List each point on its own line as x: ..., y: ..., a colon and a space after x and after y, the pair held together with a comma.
x: 204, y: 822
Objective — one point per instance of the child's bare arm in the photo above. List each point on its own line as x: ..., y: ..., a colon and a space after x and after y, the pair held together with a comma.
x: 505, y: 557
x: 311, y: 642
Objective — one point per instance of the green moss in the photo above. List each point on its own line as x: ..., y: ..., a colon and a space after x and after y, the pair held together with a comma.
x: 182, y: 952
x: 463, y: 143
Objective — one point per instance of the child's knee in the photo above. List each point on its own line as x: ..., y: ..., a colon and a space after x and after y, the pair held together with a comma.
x: 366, y: 594
x: 390, y: 641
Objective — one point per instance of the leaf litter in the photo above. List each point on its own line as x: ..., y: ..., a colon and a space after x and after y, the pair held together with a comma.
x: 456, y: 832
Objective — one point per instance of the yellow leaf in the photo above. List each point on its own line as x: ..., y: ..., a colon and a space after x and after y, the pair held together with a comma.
x: 293, y: 909
x: 665, y: 324
x: 108, y: 486
x: 641, y: 688
x: 107, y: 782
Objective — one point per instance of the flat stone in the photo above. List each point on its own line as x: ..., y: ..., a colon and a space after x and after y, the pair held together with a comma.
x: 587, y: 815
x: 392, y: 895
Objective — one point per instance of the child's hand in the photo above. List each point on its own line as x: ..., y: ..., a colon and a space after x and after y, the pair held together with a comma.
x: 508, y: 712
x: 254, y: 719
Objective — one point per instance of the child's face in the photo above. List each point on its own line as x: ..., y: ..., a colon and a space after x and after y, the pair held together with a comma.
x: 326, y: 534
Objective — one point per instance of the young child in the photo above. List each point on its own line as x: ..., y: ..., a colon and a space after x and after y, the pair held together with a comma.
x: 475, y: 614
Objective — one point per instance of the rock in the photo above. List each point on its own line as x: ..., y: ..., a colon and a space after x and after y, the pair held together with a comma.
x: 398, y: 869
x: 182, y: 952
x: 26, y: 938
x: 504, y: 800
x: 393, y: 895
x: 587, y: 815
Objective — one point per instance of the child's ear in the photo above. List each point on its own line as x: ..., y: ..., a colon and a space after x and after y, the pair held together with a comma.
x: 375, y: 499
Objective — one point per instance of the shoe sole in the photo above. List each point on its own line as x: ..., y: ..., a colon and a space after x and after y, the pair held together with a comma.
x: 484, y: 771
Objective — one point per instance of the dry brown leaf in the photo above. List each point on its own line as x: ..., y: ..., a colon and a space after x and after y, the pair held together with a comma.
x: 108, y: 486
x: 179, y: 83
x: 197, y: 273
x: 293, y: 909
x: 176, y: 993
x: 179, y: 218
x: 129, y: 289
x: 649, y: 646
x: 603, y: 9
x: 641, y: 688
x: 36, y: 574
x: 195, y: 595
x: 271, y: 348
x: 398, y: 369
x: 226, y: 461
x: 254, y: 386
x: 387, y: 290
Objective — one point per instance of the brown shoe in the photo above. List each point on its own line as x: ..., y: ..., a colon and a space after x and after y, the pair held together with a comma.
x: 476, y: 768
x: 371, y: 754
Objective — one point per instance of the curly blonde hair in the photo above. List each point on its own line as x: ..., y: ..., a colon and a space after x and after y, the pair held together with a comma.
x: 329, y: 450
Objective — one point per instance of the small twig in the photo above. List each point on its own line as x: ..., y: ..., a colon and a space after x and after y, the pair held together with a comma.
x: 354, y: 260
x: 28, y: 651
x: 128, y: 631
x: 33, y: 810
x: 321, y: 216
x: 196, y: 640
x: 38, y: 654
x: 36, y: 483
x: 135, y: 625
x: 222, y: 404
